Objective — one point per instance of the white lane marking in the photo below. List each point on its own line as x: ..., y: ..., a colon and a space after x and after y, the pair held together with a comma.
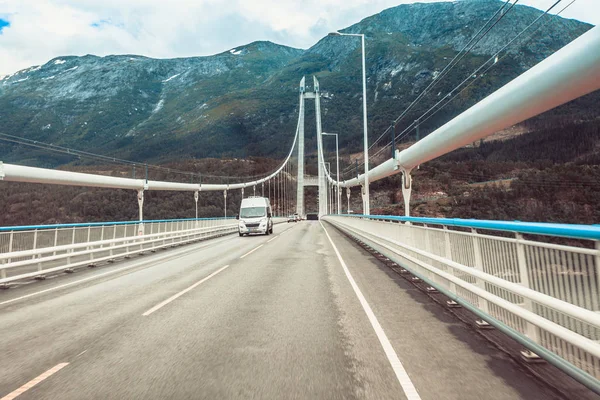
x: 34, y: 382
x: 252, y: 251
x: 80, y: 354
x: 147, y: 261
x: 270, y: 240
x: 170, y: 299
x: 409, y: 388
x: 286, y: 230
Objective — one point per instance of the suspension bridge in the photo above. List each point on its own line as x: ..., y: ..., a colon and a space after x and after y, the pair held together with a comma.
x: 351, y: 306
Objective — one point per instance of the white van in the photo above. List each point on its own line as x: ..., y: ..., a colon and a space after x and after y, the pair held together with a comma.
x: 255, y: 216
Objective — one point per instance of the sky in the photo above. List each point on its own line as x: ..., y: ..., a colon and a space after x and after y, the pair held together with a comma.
x: 35, y: 31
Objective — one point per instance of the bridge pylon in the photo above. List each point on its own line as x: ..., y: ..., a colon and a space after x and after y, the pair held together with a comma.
x: 322, y: 179
x: 300, y: 180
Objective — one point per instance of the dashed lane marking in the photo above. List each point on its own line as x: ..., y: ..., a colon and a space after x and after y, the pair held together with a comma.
x: 170, y: 299
x: 252, y: 251
x: 34, y: 382
x: 137, y: 264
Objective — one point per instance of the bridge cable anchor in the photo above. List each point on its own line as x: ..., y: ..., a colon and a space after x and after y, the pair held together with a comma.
x: 452, y: 304
x: 530, y: 357
x: 483, y: 324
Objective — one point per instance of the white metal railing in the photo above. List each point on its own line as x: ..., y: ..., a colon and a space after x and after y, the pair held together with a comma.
x: 37, y: 250
x: 547, y: 294
x: 33, y: 251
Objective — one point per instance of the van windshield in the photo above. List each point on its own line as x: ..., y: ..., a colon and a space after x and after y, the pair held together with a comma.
x: 253, y: 212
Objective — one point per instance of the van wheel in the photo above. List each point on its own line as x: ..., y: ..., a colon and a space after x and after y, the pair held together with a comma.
x: 241, y: 234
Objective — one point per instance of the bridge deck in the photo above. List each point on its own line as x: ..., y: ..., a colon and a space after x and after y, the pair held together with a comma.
x: 281, y: 322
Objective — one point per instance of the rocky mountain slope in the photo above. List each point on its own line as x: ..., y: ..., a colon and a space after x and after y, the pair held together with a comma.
x: 244, y: 101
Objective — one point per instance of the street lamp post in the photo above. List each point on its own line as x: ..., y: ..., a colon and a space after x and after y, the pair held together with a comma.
x: 337, y: 169
x: 366, y: 202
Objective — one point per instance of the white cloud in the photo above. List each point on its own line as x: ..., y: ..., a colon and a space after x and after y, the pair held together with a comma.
x: 43, y: 29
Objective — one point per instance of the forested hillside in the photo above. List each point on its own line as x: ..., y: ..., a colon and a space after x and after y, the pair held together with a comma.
x: 549, y: 175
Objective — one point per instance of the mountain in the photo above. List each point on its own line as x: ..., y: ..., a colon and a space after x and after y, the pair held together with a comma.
x: 244, y: 101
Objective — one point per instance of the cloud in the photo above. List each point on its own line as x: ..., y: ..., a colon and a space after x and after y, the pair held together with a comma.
x: 36, y: 31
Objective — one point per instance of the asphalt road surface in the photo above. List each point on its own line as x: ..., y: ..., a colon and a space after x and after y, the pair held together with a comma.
x: 262, y: 317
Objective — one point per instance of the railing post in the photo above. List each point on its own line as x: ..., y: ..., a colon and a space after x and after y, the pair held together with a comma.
x: 479, y: 266
x: 126, y: 241
x: 10, y: 248
x: 181, y: 228
x: 88, y: 241
x: 55, y: 239
x: 35, y: 235
x: 532, y: 331
x: 152, y: 232
x: 427, y: 244
x: 447, y: 242
x: 448, y: 249
x: 140, y: 198
x: 39, y: 265
x: 72, y: 242
x: 114, y: 237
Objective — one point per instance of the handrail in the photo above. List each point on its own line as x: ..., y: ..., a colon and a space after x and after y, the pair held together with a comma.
x: 574, y: 231
x: 540, y: 298
x: 74, y: 246
x: 87, y: 224
x: 545, y: 296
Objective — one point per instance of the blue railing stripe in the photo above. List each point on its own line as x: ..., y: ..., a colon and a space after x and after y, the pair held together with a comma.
x: 82, y: 225
x: 575, y: 231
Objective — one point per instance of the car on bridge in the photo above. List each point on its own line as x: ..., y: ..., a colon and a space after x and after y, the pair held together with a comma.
x: 255, y: 216
x: 294, y: 218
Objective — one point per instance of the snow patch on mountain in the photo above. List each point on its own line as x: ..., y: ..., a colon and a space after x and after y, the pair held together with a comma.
x: 172, y: 77
x: 158, y: 106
